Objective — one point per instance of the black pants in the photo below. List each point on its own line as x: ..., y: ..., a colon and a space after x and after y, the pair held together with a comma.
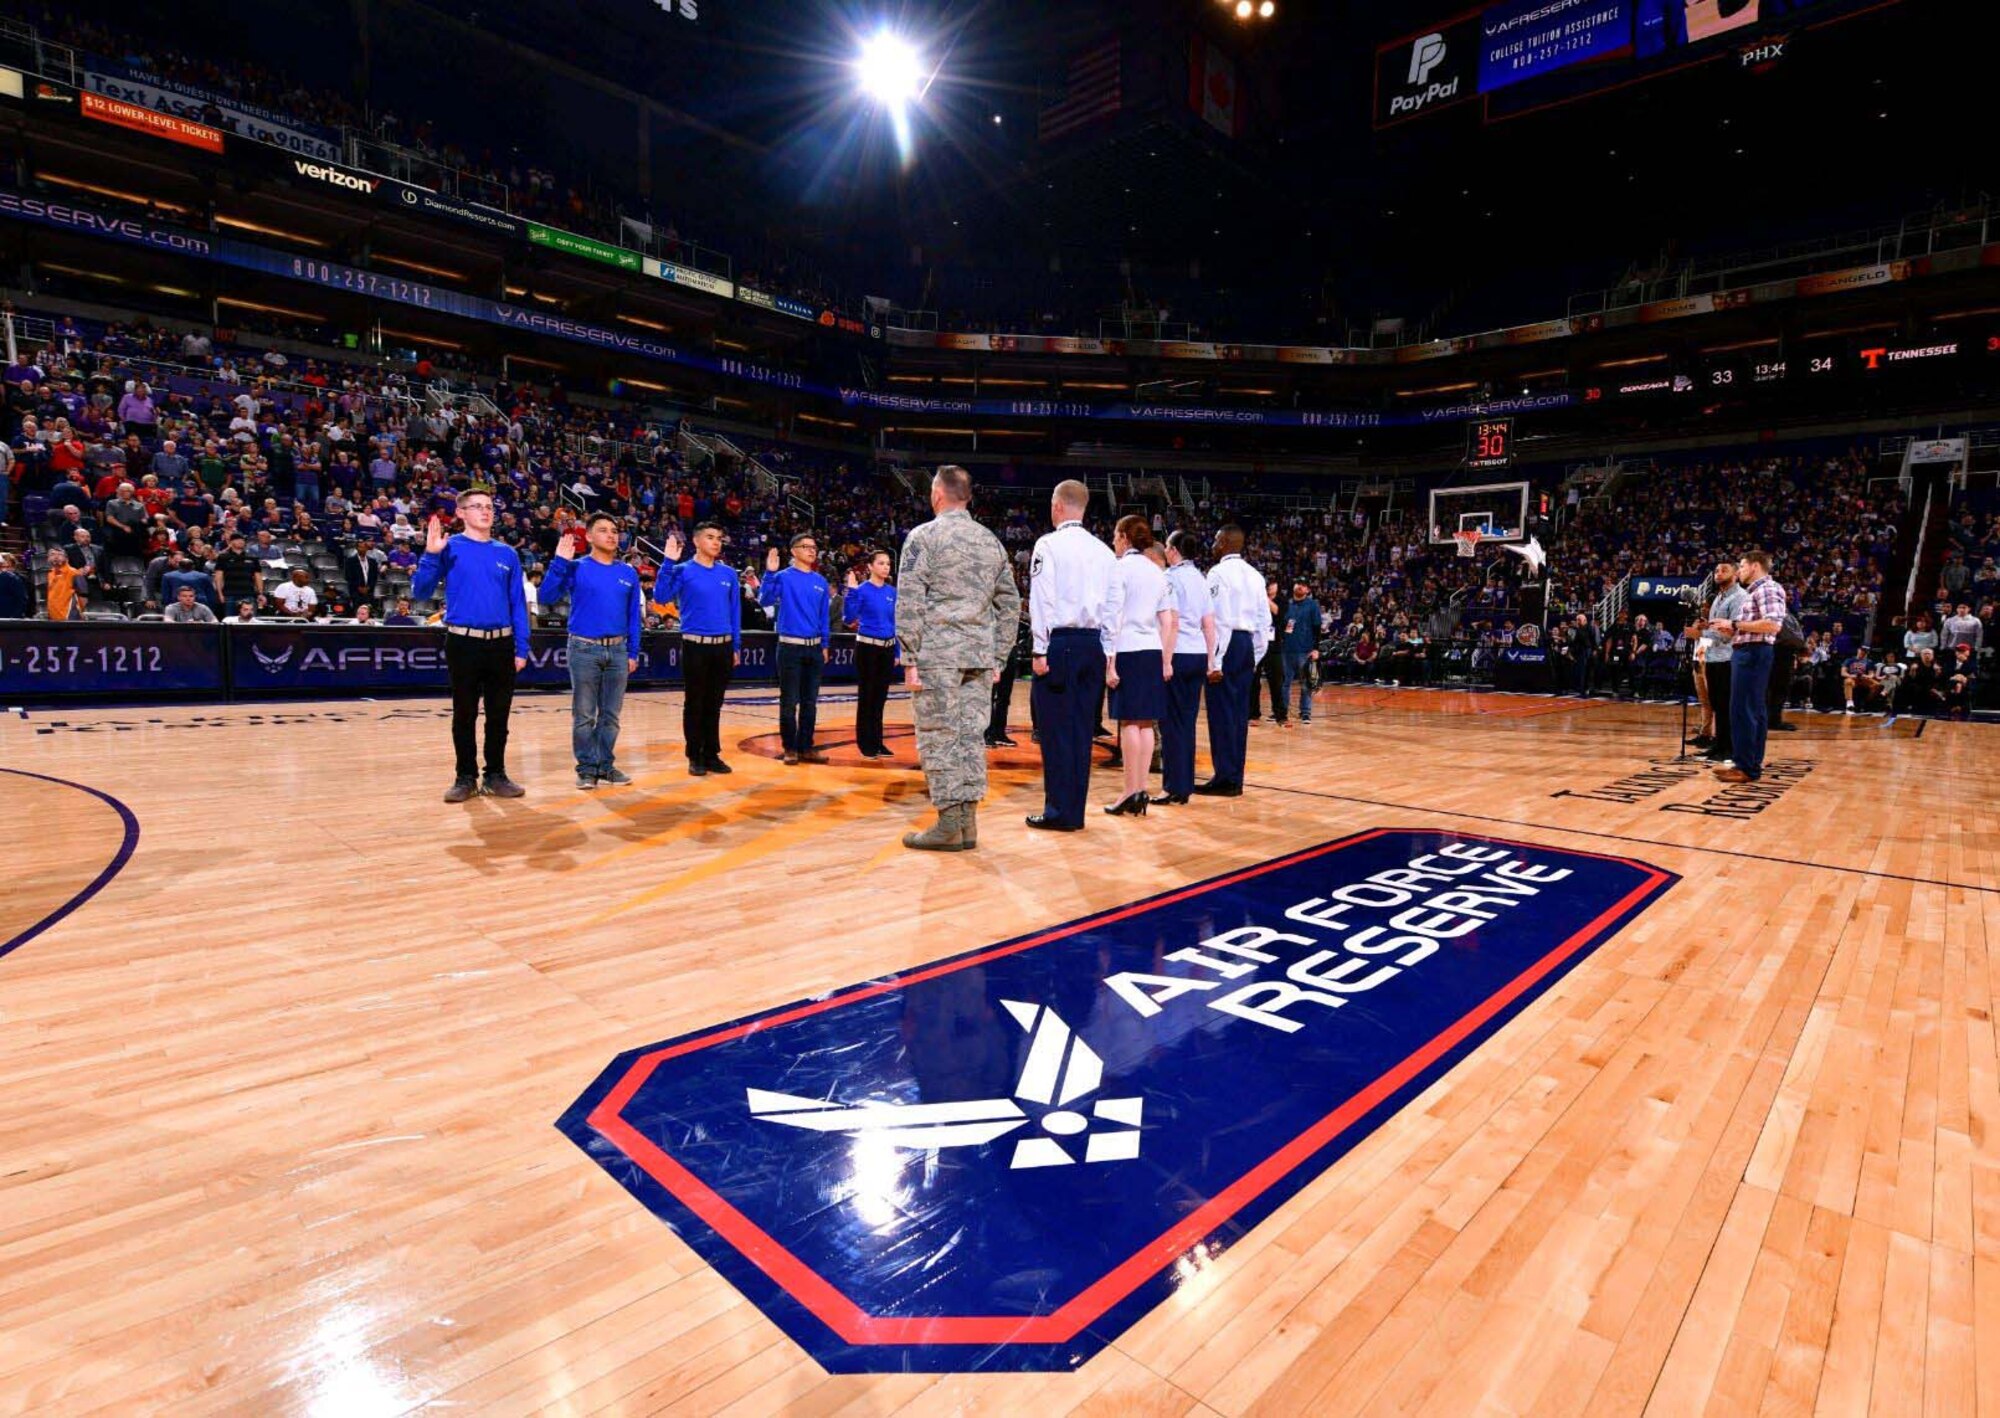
x: 481, y: 671
x: 873, y: 667
x: 1270, y: 671
x: 1003, y: 702
x: 799, y: 668
x: 1780, y: 688
x: 1718, y: 704
x: 705, y: 672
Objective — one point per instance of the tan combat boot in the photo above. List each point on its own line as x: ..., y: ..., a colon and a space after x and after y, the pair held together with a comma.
x: 946, y: 835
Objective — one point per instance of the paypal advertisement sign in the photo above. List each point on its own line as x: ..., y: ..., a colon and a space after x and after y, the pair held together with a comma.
x: 1427, y: 72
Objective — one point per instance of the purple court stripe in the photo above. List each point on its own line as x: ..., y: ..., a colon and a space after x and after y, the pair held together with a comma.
x: 103, y: 878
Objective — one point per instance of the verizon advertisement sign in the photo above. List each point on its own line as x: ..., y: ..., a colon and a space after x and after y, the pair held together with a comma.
x: 321, y: 175
x: 1427, y: 72
x: 329, y: 175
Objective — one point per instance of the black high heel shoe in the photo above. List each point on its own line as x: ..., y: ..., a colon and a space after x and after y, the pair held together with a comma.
x: 1135, y: 805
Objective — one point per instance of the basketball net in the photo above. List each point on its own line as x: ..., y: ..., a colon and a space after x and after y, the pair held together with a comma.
x: 1468, y: 544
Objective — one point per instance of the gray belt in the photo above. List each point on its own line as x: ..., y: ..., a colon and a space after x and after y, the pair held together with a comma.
x: 599, y: 639
x: 475, y: 633
x: 812, y: 640
x: 874, y: 640
x: 687, y: 639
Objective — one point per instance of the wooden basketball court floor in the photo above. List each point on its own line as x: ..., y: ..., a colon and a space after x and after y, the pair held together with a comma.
x: 275, y: 1099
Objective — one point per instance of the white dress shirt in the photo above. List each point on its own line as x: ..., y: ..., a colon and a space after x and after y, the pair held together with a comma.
x: 1145, y: 595
x: 1072, y: 584
x: 1237, y: 592
x: 1191, y: 600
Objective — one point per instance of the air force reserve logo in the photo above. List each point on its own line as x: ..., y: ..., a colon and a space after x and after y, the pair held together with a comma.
x: 1003, y: 1159
x: 1058, y: 1069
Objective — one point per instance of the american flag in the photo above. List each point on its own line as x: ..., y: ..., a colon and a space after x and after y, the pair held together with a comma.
x: 1092, y: 93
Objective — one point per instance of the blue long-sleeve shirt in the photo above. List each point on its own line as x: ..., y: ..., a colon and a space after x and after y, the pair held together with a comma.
x: 871, y: 610
x: 710, y: 598
x: 482, y: 587
x: 804, y: 602
x: 604, y: 598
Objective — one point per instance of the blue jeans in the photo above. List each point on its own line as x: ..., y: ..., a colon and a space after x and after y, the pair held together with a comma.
x: 799, y: 669
x: 1295, y: 662
x: 306, y: 491
x: 597, y: 675
x: 1749, y: 678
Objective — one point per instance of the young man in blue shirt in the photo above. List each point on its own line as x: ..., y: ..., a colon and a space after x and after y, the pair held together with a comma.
x: 604, y: 626
x: 710, y: 598
x: 486, y: 637
x: 870, y: 612
x: 804, y: 605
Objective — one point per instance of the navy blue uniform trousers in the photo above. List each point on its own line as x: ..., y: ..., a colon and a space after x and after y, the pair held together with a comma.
x: 1177, y: 729
x: 1229, y: 710
x: 1065, y: 703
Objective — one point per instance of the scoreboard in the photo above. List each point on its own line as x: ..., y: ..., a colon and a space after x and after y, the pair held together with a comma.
x: 1489, y: 443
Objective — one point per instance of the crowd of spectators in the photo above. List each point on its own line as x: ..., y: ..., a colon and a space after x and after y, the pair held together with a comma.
x: 511, y: 181
x: 149, y: 462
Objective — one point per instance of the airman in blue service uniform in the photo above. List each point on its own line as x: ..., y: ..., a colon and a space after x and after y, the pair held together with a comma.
x: 1073, y: 593
x: 1193, y: 650
x: 804, y: 604
x: 1243, y: 633
x: 710, y: 599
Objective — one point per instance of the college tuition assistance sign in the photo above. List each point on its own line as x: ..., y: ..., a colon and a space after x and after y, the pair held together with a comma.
x: 997, y: 1160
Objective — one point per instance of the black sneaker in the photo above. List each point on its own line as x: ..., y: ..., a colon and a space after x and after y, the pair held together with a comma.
x: 716, y: 765
x: 586, y: 781
x: 1003, y: 742
x: 461, y: 790
x: 697, y: 769
x: 616, y: 778
x: 501, y: 786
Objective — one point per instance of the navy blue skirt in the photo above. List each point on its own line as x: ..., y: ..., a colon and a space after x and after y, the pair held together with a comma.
x: 1141, y: 691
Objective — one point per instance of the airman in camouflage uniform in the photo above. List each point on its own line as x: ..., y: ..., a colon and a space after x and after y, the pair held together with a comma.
x: 955, y: 617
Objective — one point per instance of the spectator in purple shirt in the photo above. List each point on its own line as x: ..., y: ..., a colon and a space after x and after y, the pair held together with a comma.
x: 137, y: 413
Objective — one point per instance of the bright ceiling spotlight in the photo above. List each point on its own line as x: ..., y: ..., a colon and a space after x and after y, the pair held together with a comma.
x: 1267, y: 9
x: 889, y: 70
x: 1242, y: 9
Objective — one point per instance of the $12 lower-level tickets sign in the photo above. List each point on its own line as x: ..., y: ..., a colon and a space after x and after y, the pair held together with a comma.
x: 1002, y: 1159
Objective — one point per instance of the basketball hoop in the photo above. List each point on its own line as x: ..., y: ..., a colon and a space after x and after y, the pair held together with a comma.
x: 1468, y: 543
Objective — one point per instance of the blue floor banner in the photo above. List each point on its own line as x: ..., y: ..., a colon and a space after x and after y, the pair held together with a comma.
x: 42, y: 659
x: 1002, y: 1159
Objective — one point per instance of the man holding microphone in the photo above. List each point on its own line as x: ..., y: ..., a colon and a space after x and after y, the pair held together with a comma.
x: 604, y: 626
x: 1751, y: 635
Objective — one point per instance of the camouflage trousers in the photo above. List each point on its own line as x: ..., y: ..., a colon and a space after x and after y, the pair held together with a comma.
x: 952, y: 710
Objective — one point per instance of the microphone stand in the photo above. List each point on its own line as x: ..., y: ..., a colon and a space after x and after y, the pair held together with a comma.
x: 1684, y: 684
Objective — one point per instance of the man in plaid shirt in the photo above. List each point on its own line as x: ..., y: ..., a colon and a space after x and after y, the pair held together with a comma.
x: 1752, y: 636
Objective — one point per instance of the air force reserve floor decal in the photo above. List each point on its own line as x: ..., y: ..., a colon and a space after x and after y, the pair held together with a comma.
x: 997, y: 1160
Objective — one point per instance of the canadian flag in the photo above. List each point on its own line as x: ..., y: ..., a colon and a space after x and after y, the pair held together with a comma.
x: 1212, y: 88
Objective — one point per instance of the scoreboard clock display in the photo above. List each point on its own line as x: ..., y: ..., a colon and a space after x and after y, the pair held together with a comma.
x: 1489, y: 443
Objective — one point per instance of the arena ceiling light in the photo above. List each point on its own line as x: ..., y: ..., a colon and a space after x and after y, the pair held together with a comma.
x: 889, y: 70
x: 892, y: 74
